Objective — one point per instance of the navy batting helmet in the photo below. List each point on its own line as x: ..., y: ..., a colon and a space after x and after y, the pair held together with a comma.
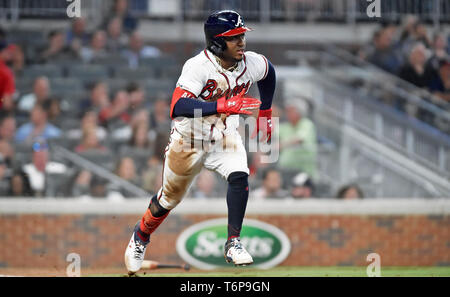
x: 220, y: 24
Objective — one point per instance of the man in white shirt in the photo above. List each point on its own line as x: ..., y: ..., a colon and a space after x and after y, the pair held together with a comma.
x: 40, y: 167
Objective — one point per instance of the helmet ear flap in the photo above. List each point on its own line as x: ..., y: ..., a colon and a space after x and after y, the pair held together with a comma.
x: 217, y: 46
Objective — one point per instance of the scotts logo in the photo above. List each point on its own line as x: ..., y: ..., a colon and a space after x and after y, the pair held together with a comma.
x: 202, y: 245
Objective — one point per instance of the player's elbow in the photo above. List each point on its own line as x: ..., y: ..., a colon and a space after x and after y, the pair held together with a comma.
x: 271, y: 73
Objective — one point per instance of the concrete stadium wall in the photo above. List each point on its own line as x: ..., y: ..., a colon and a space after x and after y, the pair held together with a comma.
x: 41, y: 233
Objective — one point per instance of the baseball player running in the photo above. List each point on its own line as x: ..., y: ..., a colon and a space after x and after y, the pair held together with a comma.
x: 213, y: 82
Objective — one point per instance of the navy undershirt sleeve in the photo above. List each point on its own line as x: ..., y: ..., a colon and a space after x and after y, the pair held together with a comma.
x: 266, y: 87
x: 185, y: 108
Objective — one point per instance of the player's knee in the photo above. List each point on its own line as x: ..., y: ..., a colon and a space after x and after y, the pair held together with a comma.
x: 238, y: 179
x: 168, y: 203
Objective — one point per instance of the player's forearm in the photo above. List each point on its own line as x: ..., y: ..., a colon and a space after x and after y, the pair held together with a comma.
x: 186, y: 107
x: 266, y: 88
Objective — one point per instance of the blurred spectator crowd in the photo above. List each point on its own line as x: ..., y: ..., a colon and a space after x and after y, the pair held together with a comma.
x: 100, y: 93
x: 103, y: 95
x: 417, y: 56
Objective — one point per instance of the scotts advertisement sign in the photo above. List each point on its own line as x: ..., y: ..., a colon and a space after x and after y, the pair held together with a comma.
x: 202, y: 245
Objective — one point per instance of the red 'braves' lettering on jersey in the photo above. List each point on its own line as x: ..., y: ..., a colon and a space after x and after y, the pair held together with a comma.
x: 209, y: 88
x: 237, y: 89
x: 220, y: 93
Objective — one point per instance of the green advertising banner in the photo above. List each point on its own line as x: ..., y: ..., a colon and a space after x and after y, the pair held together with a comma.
x: 202, y: 245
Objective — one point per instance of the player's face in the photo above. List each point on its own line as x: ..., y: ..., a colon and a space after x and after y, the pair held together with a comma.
x: 235, y: 47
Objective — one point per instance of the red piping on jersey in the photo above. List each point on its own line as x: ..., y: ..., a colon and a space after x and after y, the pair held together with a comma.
x: 210, y: 86
x: 206, y: 53
x: 245, y: 69
x: 226, y: 78
x: 228, y: 83
x: 164, y: 161
x: 267, y: 67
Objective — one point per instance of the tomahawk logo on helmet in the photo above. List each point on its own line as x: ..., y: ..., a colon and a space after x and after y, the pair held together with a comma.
x: 222, y: 24
x: 239, y: 23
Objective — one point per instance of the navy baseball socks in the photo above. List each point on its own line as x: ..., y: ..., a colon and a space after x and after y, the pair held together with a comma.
x: 237, y: 197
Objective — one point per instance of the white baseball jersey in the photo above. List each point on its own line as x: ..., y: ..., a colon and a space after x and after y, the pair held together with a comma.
x: 208, y: 81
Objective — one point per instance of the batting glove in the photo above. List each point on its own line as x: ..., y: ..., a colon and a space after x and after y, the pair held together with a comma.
x: 264, y: 124
x: 237, y: 104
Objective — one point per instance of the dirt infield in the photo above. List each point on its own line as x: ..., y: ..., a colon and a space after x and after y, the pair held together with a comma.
x: 46, y: 272
x: 55, y: 272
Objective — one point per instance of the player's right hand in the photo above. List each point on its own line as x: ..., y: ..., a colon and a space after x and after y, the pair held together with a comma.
x: 237, y: 104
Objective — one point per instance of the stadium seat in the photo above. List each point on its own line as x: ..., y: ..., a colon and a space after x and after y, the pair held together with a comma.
x: 140, y: 73
x: 59, y: 185
x: 160, y: 64
x: 22, y: 155
x: 64, y: 63
x: 287, y: 175
x: 104, y: 159
x: 88, y: 73
x: 170, y: 72
x: 48, y: 70
x: 115, y: 144
x: 153, y: 87
x: 111, y: 60
x: 65, y: 84
x: 116, y: 84
x: 70, y: 123
x: 29, y: 37
x: 24, y: 85
x: 158, y: 61
x: 139, y: 155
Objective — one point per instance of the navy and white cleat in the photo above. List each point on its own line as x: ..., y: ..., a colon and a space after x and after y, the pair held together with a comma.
x: 236, y: 253
x: 135, y: 252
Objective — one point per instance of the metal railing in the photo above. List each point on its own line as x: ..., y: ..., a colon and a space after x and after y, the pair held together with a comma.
x: 398, y: 156
x: 373, y: 82
x: 421, y: 142
x: 408, y: 137
x: 346, y: 11
x: 14, y: 10
x: 98, y: 170
x: 402, y: 88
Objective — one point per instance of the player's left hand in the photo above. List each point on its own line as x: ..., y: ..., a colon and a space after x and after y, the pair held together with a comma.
x: 263, y: 124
